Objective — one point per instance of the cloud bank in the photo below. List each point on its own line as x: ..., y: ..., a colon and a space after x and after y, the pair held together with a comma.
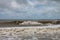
x: 29, y: 9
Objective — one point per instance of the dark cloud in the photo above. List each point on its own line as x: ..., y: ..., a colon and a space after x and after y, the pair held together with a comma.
x: 40, y: 0
x: 4, y: 3
x: 8, y: 7
x: 22, y: 2
x: 56, y: 0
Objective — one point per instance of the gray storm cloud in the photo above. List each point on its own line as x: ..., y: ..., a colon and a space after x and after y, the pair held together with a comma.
x: 56, y: 0
x: 29, y: 7
x: 7, y: 3
x: 10, y: 4
x: 22, y: 1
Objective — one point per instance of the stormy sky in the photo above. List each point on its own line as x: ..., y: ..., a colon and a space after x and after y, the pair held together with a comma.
x: 29, y: 9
